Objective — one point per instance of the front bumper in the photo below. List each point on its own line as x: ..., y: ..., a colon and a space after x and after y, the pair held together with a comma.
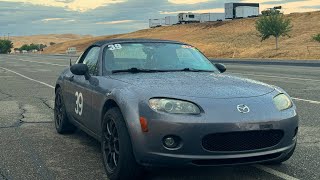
x: 191, y: 152
x: 149, y: 149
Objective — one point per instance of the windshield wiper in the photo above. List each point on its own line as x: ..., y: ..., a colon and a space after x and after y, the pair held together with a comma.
x: 194, y: 70
x: 137, y: 70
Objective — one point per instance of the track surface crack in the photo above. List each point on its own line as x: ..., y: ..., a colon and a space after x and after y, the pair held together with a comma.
x: 21, y: 121
x: 45, y: 102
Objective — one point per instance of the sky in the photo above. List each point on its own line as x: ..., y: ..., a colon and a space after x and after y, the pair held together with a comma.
x: 105, y: 17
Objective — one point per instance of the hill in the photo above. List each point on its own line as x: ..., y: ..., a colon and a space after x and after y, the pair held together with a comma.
x: 228, y: 39
x: 18, y: 41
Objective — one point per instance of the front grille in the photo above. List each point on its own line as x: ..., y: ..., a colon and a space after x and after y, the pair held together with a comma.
x: 242, y: 141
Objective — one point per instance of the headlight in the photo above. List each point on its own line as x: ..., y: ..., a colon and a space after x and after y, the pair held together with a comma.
x: 282, y: 102
x: 174, y: 106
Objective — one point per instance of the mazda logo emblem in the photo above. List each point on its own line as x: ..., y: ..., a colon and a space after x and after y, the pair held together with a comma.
x: 243, y: 108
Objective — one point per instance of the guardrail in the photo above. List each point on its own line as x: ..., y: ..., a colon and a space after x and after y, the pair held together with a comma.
x: 309, y: 63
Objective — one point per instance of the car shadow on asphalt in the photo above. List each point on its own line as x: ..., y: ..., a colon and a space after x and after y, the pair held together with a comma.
x: 203, y: 173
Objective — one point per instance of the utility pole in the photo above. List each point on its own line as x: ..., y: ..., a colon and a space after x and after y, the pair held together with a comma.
x: 8, y: 36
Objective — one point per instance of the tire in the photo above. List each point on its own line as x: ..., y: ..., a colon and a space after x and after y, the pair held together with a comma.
x: 61, y: 121
x: 283, y: 159
x: 116, y: 147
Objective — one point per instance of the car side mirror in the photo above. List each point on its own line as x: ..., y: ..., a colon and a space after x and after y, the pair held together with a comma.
x: 81, y: 70
x: 222, y: 68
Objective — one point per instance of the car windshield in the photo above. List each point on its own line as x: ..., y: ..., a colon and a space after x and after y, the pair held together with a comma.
x: 154, y: 57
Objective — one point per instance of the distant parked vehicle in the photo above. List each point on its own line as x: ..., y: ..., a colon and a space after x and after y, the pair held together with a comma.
x: 71, y: 50
x: 171, y: 20
x: 274, y: 10
x: 241, y: 10
x: 209, y: 17
x: 153, y: 23
x: 185, y: 18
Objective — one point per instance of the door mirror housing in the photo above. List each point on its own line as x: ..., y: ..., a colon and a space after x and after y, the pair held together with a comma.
x: 222, y: 68
x: 81, y: 70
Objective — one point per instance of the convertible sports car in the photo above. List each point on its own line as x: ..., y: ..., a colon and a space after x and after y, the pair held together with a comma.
x: 163, y: 103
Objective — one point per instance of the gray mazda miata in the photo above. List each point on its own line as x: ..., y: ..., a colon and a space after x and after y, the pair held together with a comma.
x: 163, y: 103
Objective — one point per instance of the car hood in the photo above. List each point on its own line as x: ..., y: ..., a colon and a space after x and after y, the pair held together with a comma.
x: 195, y: 84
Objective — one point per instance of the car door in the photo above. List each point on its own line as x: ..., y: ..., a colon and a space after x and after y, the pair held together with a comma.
x: 78, y: 97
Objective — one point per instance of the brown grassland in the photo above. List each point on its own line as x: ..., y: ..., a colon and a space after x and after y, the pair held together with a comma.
x: 18, y: 41
x: 228, y: 39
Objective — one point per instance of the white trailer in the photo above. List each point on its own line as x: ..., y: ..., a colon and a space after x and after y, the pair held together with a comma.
x: 189, y: 17
x: 71, y: 50
x: 171, y: 20
x: 153, y: 23
x: 246, y: 11
x: 241, y: 10
x: 209, y: 17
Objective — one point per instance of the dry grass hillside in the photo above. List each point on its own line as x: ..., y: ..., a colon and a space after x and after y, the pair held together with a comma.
x: 229, y: 39
x: 18, y: 41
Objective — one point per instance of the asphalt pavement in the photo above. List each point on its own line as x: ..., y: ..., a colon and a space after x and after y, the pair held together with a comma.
x: 30, y: 148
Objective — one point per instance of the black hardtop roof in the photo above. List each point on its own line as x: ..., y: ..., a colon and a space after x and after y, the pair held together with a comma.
x: 109, y: 41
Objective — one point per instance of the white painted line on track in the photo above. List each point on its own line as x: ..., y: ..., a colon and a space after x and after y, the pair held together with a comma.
x: 43, y: 63
x: 306, y: 100
x: 281, y: 77
x: 275, y: 172
x: 43, y: 83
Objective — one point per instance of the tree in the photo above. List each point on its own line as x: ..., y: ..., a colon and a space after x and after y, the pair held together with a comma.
x: 32, y: 47
x: 24, y: 47
x: 316, y: 38
x: 52, y: 43
x: 275, y: 25
x: 5, y: 46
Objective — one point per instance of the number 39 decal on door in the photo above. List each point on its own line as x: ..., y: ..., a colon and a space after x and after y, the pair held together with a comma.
x: 79, y: 103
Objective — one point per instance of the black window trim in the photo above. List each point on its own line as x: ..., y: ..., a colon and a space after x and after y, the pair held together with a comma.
x: 84, y: 55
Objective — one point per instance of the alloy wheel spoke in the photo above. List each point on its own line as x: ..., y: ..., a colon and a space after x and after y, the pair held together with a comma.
x: 106, y: 136
x: 114, y: 159
x: 108, y: 128
x: 109, y: 158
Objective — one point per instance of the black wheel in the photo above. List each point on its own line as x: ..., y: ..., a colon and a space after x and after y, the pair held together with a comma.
x: 283, y: 159
x: 116, y: 147
x: 61, y: 121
